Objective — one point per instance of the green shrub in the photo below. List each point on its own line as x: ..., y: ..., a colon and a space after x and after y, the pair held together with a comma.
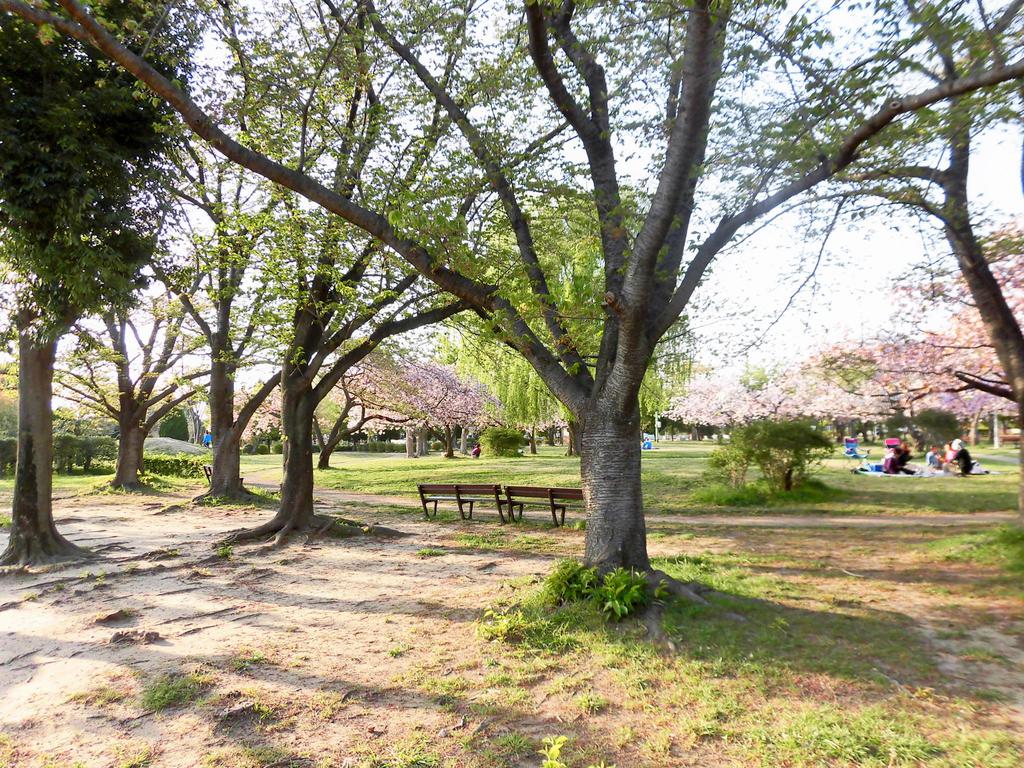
x: 277, y: 447
x: 501, y: 441
x: 620, y: 593
x: 569, y: 582
x: 784, y: 451
x: 71, y: 451
x: 262, y: 450
x: 182, y: 465
x: 8, y: 455
x: 935, y: 426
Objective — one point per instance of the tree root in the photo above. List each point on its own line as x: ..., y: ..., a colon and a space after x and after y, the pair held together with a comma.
x: 243, y: 495
x: 691, y: 591
x: 23, y: 552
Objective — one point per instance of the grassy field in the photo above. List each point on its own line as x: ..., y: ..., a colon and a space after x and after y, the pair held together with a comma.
x: 672, y: 478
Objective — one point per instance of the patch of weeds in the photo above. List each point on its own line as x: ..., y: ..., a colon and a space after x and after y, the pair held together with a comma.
x: 253, y: 756
x: 591, y: 703
x: 1002, y: 546
x: 399, y: 650
x: 5, y: 521
x: 552, y: 749
x: 327, y: 704
x: 620, y: 593
x: 224, y: 551
x: 173, y: 690
x: 6, y: 751
x: 102, y: 695
x: 137, y: 757
x: 501, y: 542
x: 446, y: 691
x: 982, y: 655
x: 513, y: 745
x: 877, y: 737
x: 411, y: 754
x: 247, y: 658
x: 430, y: 552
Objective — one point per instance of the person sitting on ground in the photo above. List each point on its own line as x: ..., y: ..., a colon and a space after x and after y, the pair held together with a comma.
x: 903, y: 457
x: 962, y: 457
x: 950, y: 455
x: 890, y: 465
x: 475, y: 453
x: 933, y: 458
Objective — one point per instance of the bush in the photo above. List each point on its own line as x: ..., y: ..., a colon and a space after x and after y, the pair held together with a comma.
x: 501, y: 441
x: 174, y: 425
x: 935, y: 426
x: 71, y: 451
x: 620, y: 593
x: 436, y: 445
x: 277, y: 447
x: 8, y: 454
x: 181, y: 465
x: 262, y: 450
x: 784, y: 451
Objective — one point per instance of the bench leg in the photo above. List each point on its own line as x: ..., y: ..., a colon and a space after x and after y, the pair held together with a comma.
x: 501, y: 513
x: 519, y: 512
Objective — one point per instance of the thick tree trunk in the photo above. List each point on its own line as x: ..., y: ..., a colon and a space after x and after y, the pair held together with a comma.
x: 422, y: 444
x: 130, y: 446
x: 410, y: 444
x: 997, y: 437
x: 463, y: 440
x: 295, y: 512
x: 449, y: 443
x: 226, y: 481
x: 34, y: 538
x: 533, y: 441
x: 610, y: 468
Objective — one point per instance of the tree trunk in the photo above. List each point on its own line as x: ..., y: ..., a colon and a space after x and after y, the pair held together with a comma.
x: 227, y: 439
x: 549, y: 437
x: 130, y: 446
x: 573, y: 448
x: 34, y: 538
x: 610, y: 468
x: 333, y: 439
x: 997, y: 437
x: 533, y: 441
x: 295, y: 512
x: 422, y: 446
x: 449, y: 443
x: 975, y: 421
x: 463, y: 440
x: 410, y: 444
x: 225, y: 481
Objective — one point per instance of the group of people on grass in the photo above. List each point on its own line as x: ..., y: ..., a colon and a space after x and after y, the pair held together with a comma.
x: 954, y: 459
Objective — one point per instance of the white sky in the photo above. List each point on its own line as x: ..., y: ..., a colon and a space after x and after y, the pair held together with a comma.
x: 851, y: 296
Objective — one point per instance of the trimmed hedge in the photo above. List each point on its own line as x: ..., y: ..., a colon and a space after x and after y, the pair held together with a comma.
x: 181, y: 465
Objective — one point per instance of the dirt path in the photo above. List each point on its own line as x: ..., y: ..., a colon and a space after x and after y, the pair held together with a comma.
x: 359, y: 651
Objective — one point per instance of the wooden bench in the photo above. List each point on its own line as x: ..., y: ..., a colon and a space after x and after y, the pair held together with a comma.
x: 462, y: 494
x: 555, y: 499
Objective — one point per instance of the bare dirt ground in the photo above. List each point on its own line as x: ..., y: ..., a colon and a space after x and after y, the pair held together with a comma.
x: 364, y: 651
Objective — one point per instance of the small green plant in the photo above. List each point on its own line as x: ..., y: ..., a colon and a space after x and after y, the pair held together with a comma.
x: 621, y: 593
x: 591, y: 703
x: 5, y: 521
x: 224, y: 551
x: 552, y: 751
x: 248, y: 658
x: 399, y: 650
x: 430, y: 552
x: 570, y: 582
x: 172, y: 690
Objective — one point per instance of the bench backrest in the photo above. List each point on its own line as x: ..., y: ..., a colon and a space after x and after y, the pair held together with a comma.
x: 459, y: 488
x: 436, y: 488
x: 537, y: 492
x: 478, y: 488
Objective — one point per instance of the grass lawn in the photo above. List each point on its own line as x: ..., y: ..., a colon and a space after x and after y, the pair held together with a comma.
x: 671, y: 475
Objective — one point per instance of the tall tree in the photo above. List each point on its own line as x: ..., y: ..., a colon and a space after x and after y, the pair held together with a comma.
x: 79, y: 149
x: 132, y: 374
x: 660, y: 74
